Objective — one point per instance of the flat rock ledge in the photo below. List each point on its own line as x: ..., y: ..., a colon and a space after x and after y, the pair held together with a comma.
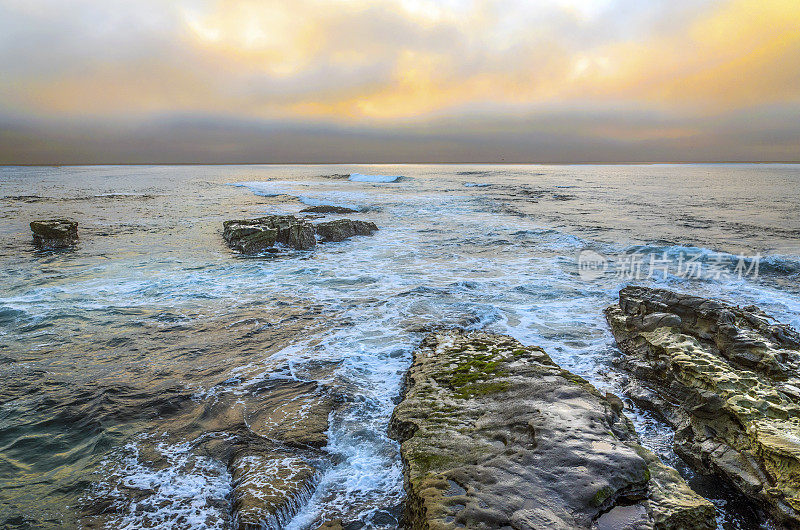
x: 54, y: 233
x: 726, y: 378
x: 495, y: 435
x: 250, y: 236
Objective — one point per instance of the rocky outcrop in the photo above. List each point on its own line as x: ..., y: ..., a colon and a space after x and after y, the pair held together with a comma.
x: 342, y: 229
x: 250, y: 236
x: 727, y: 379
x: 257, y: 235
x: 325, y: 208
x: 54, y: 233
x: 495, y: 435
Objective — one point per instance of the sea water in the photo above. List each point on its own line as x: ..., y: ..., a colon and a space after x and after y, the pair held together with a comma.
x: 104, y: 348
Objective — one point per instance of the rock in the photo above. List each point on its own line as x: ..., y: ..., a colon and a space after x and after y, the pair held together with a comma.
x: 328, y: 209
x: 726, y: 379
x: 54, y: 233
x: 337, y: 176
x: 277, y: 469
x: 257, y: 235
x: 298, y: 416
x: 271, y: 439
x: 342, y: 229
x: 270, y: 488
x: 495, y: 435
x: 248, y: 237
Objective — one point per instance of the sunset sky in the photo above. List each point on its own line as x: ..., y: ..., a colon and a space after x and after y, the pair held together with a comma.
x: 399, y: 80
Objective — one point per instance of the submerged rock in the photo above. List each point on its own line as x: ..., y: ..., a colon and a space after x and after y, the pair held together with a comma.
x: 257, y: 235
x: 268, y: 442
x: 54, y: 233
x: 342, y: 229
x: 726, y: 378
x: 495, y: 435
x: 328, y: 209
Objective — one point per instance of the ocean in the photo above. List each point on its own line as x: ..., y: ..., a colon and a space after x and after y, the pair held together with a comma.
x: 121, y: 358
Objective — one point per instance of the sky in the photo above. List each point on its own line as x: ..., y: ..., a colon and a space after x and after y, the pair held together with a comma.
x: 282, y: 81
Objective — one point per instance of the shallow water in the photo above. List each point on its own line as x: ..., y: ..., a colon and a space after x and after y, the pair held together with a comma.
x: 119, y: 359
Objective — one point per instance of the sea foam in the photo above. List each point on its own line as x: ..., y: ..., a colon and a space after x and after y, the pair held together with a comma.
x: 358, y: 177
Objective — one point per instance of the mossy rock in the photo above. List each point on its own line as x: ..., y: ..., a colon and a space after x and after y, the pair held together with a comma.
x: 494, y: 434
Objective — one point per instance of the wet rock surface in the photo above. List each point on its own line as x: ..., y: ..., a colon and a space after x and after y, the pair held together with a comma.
x: 495, y: 435
x: 328, y: 209
x: 726, y: 378
x: 268, y: 445
x: 277, y: 468
x: 54, y: 233
x: 250, y: 236
x: 270, y: 487
x: 342, y: 229
x: 257, y: 235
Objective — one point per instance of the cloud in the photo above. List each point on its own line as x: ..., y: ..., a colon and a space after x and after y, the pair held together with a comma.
x: 382, y: 65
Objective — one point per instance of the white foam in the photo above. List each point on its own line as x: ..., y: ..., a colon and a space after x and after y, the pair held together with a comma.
x: 190, y: 492
x: 306, y: 192
x: 358, y: 177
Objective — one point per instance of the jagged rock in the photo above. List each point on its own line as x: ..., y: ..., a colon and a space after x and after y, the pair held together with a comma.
x: 270, y: 488
x: 54, y: 233
x: 495, y: 435
x: 328, y: 209
x: 342, y: 229
x: 257, y: 235
x: 247, y: 237
x: 727, y: 379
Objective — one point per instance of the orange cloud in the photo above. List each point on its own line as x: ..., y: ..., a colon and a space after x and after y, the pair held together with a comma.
x: 397, y: 60
x: 747, y: 52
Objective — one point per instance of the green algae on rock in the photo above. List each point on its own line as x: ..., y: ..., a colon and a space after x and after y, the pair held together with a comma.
x: 494, y: 434
x: 726, y: 378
